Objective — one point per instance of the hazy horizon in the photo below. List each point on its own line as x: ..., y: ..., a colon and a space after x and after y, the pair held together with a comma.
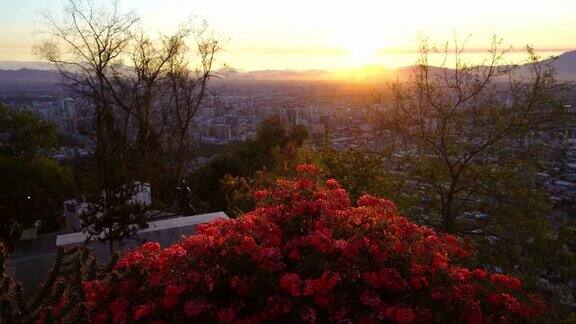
x: 325, y: 35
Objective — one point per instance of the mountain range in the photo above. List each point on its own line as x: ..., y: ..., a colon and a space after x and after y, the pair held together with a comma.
x: 565, y: 66
x: 11, y: 71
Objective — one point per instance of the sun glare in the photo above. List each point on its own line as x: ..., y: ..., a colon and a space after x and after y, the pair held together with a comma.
x: 363, y: 54
x: 363, y: 46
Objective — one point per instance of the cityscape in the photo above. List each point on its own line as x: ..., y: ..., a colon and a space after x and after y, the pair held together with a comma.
x: 215, y: 172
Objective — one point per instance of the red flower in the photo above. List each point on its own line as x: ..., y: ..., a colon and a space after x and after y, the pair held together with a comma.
x: 171, y: 295
x: 241, y: 285
x: 307, y: 254
x: 506, y: 281
x: 440, y: 261
x: 480, y: 273
x: 387, y: 278
x: 95, y: 292
x: 399, y: 314
x: 494, y: 300
x: 277, y: 306
x: 323, y: 285
x: 294, y: 255
x: 291, y: 283
x: 226, y: 315
x: 322, y: 240
x: 194, y: 308
x: 100, y: 316
x: 261, y: 194
x: 369, y: 298
x: 143, y: 311
x: 305, y: 184
x: 308, y: 315
x: 119, y: 309
x: 308, y: 168
x: 418, y: 282
x: 461, y: 274
x: 332, y: 184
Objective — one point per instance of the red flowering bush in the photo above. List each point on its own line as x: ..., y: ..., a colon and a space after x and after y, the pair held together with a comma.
x: 305, y: 254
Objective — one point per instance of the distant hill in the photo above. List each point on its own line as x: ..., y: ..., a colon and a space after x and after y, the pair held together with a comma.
x: 28, y: 75
x: 565, y: 66
x: 11, y: 71
x: 369, y: 73
x: 279, y: 75
x: 18, y: 65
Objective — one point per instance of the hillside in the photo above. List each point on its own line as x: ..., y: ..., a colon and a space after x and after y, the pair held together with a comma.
x: 28, y: 75
x: 564, y: 64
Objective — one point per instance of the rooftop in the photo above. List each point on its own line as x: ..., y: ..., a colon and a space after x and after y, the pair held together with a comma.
x: 153, y: 226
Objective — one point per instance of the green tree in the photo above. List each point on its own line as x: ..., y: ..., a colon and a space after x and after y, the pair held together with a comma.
x: 33, y: 190
x: 243, y: 160
x: 25, y: 136
x: 298, y: 134
x: 32, y: 185
x: 114, y: 215
x: 359, y: 172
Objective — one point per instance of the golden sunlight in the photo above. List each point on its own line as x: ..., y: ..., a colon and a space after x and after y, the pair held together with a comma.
x: 363, y: 47
x: 363, y: 54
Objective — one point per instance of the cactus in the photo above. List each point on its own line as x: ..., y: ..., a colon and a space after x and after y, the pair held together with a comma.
x: 60, y: 297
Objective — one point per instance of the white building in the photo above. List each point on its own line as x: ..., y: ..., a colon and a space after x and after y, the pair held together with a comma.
x: 164, y: 231
x: 30, y: 264
x: 32, y: 260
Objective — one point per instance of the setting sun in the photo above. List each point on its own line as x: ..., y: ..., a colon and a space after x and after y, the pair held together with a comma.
x: 329, y: 35
x: 363, y: 43
x: 363, y: 53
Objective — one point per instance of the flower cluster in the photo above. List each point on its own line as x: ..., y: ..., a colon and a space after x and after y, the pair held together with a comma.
x: 306, y: 254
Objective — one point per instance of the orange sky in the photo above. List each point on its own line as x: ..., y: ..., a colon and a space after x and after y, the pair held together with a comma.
x: 316, y: 34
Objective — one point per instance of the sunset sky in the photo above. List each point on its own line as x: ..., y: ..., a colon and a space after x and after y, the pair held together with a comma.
x: 318, y: 34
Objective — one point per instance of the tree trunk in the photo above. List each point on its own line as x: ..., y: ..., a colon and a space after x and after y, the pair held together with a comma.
x: 448, y: 221
x: 110, y: 241
x: 448, y: 217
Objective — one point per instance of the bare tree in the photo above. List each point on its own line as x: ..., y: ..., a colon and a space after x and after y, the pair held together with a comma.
x: 187, y: 92
x: 144, y: 90
x: 470, y: 140
x: 87, y: 46
x: 451, y: 121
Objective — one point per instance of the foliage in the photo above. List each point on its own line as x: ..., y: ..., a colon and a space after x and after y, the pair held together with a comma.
x: 23, y: 135
x: 32, y: 186
x: 305, y: 254
x: 243, y: 160
x: 114, y: 215
x: 359, y: 172
x: 453, y: 124
x: 298, y: 134
x: 511, y: 230
x: 31, y: 190
x: 470, y: 140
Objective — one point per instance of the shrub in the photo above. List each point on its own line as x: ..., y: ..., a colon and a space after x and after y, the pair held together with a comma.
x: 305, y: 254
